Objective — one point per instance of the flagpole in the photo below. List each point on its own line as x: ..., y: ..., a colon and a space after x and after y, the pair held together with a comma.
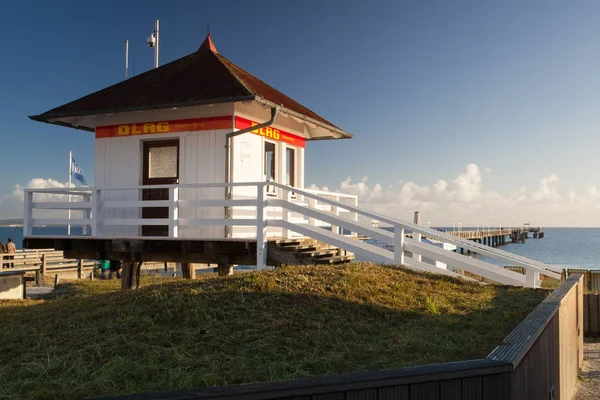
x: 70, y: 173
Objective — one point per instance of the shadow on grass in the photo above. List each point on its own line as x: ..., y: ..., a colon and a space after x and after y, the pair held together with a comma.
x: 94, y: 340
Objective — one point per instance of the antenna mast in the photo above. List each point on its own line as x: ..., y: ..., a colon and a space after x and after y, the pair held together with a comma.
x: 153, y: 42
x: 156, y: 47
x: 126, y: 59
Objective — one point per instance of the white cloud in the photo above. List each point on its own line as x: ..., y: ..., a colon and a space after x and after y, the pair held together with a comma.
x: 466, y: 199
x: 11, y: 205
x: 463, y: 198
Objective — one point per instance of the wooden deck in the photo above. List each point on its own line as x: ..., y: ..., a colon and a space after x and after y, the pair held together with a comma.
x: 217, y: 251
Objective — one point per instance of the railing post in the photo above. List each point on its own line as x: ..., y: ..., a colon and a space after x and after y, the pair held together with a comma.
x: 285, y: 213
x: 417, y: 237
x: 95, y: 213
x: 312, y: 204
x: 335, y: 211
x: 28, y: 208
x: 532, y: 278
x: 398, y: 245
x: 173, y: 212
x: 355, y: 204
x: 261, y: 228
x: 87, y: 214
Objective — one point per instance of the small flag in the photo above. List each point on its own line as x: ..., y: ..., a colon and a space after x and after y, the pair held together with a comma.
x: 77, y: 172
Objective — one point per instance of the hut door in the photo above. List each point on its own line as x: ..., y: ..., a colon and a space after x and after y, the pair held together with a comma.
x: 161, y: 167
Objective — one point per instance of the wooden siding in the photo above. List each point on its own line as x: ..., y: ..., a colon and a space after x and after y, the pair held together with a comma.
x: 203, y: 160
x: 118, y: 164
x: 546, y: 348
x: 478, y: 379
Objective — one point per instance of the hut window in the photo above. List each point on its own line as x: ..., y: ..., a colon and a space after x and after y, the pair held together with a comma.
x: 162, y: 162
x: 270, y: 160
x: 290, y: 167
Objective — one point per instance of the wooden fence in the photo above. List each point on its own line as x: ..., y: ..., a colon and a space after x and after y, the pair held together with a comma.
x: 591, y: 278
x: 538, y: 360
x: 591, y: 314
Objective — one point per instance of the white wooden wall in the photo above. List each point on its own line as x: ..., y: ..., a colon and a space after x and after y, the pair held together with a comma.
x: 252, y: 170
x: 202, y: 160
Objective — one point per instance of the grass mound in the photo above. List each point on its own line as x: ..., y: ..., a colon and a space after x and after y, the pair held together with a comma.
x: 91, y: 339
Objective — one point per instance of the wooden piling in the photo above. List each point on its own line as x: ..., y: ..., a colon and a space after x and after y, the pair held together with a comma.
x: 130, y: 275
x: 189, y: 271
x: 79, y: 269
x: 227, y: 269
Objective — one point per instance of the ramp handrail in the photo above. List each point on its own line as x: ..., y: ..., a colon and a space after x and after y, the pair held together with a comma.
x: 309, y: 208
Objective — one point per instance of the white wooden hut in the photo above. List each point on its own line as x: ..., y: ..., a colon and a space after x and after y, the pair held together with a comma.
x: 200, y: 161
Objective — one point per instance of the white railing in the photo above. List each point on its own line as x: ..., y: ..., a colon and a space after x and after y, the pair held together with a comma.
x: 199, y: 211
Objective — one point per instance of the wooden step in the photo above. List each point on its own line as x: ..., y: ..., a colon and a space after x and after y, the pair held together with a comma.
x: 334, y: 260
x: 324, y: 254
x: 286, y: 242
x: 299, y: 248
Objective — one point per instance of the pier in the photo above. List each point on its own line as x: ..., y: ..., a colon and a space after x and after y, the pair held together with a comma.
x: 498, y: 236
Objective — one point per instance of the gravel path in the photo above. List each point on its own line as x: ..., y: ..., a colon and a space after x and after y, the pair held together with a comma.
x: 589, y: 384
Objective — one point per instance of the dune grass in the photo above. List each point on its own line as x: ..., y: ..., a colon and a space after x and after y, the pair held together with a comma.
x: 93, y: 340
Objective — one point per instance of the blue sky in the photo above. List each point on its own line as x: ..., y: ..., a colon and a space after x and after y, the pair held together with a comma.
x: 428, y: 88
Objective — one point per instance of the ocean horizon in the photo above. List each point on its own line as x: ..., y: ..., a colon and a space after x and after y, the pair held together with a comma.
x: 560, y: 247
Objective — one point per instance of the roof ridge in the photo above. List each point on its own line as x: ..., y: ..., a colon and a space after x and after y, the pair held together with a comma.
x: 226, y: 65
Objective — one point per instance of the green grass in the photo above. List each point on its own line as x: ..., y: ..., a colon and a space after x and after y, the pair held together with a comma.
x: 91, y: 339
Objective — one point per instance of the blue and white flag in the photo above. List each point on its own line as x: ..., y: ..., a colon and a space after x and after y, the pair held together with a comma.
x: 76, y: 172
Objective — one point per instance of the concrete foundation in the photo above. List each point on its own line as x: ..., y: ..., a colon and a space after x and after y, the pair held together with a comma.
x: 12, y: 286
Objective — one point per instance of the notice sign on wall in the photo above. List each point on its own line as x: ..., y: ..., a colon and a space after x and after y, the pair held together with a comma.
x: 271, y: 133
x: 180, y: 125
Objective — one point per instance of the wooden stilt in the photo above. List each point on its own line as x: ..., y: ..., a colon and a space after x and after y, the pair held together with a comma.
x: 225, y: 269
x: 189, y: 271
x: 138, y: 273
x: 126, y: 275
x: 130, y: 276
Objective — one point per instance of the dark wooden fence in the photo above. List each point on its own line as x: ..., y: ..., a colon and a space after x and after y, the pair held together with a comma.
x: 591, y: 314
x: 591, y: 278
x: 538, y: 360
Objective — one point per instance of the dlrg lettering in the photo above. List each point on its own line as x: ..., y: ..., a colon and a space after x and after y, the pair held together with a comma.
x: 139, y: 129
x: 267, y: 132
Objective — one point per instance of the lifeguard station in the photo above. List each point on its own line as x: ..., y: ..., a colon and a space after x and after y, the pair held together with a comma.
x: 199, y: 161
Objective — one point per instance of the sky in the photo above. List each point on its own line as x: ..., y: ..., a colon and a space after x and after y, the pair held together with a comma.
x: 468, y: 111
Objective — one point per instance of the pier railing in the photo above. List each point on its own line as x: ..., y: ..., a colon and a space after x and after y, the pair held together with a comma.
x: 263, y: 210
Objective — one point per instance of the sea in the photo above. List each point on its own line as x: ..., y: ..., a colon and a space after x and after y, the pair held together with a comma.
x: 561, y: 247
